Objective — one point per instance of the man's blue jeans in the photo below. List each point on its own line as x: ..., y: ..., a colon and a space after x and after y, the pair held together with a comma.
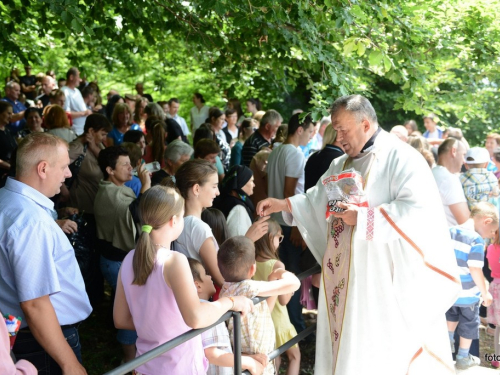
x: 26, y: 347
x: 290, y: 255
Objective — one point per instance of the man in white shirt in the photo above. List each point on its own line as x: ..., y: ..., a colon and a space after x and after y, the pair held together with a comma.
x: 75, y: 104
x: 451, y: 155
x: 285, y: 171
x: 173, y: 108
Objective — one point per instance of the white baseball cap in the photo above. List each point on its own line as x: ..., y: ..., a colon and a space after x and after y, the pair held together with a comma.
x: 477, y: 155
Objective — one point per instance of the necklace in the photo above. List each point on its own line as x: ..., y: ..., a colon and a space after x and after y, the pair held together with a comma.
x: 162, y: 246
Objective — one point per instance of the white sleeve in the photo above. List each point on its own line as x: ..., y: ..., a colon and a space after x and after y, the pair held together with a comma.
x: 238, y: 221
x: 454, y: 192
x: 295, y: 161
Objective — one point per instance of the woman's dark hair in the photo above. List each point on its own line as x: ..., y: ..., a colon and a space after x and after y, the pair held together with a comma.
x: 256, y: 102
x: 245, y: 124
x: 203, y: 132
x: 108, y: 158
x: 97, y: 122
x: 214, y: 112
x: 133, y: 136
x: 230, y: 112
x: 217, y: 222
x: 236, y: 106
x: 30, y: 110
x: 199, y: 96
x: 110, y: 107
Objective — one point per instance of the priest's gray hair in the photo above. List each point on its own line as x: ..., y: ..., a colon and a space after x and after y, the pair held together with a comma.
x: 358, y: 105
x: 176, y: 149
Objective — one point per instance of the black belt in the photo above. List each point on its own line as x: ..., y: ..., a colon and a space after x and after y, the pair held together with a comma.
x: 66, y: 326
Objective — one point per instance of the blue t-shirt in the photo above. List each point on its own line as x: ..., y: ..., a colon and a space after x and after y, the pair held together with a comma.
x: 135, y: 184
x: 469, y: 251
x: 17, y: 107
x: 36, y: 257
x: 117, y: 136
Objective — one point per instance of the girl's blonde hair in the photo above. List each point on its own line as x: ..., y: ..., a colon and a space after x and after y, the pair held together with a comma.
x: 264, y: 246
x: 157, y: 207
x: 329, y: 136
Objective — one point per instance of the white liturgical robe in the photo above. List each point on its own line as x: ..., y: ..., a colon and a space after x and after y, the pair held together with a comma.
x: 403, y: 275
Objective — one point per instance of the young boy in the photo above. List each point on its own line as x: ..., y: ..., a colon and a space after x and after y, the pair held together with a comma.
x: 216, y: 341
x: 236, y: 260
x: 479, y: 184
x: 468, y: 242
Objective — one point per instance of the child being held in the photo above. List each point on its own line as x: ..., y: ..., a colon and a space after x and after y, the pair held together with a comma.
x: 478, y: 183
x: 468, y: 243
x: 216, y: 342
x: 266, y: 255
x: 236, y: 260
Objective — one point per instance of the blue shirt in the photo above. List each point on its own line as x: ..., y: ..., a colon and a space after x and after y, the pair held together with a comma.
x: 17, y: 107
x: 135, y: 185
x: 117, y: 136
x: 36, y: 257
x: 469, y: 251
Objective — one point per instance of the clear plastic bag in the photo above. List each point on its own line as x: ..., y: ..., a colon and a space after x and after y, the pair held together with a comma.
x: 346, y: 187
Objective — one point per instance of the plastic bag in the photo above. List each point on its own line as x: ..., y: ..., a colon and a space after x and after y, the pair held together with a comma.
x: 346, y: 187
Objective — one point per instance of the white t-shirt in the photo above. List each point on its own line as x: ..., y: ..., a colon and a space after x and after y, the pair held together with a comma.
x: 195, y: 233
x: 74, y: 103
x: 238, y: 221
x: 182, y: 123
x: 285, y: 160
x: 198, y: 117
x: 450, y: 190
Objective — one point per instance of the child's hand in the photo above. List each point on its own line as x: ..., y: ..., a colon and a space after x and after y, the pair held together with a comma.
x: 487, y: 299
x: 243, y: 305
x: 261, y: 358
x: 252, y: 364
x: 277, y: 274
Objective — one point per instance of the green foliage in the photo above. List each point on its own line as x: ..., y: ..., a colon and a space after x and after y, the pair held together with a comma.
x: 416, y: 56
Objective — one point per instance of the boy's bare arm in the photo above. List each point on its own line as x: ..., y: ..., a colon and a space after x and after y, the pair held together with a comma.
x: 286, y: 282
x: 478, y: 277
x: 221, y: 358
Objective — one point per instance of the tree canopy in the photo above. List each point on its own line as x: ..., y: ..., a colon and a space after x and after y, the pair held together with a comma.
x: 407, y: 57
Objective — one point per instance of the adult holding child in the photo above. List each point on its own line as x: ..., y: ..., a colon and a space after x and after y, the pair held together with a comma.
x: 151, y: 271
x: 375, y: 255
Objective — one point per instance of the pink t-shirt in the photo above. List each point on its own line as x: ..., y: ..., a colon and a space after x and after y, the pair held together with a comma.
x: 493, y: 256
x: 157, y: 319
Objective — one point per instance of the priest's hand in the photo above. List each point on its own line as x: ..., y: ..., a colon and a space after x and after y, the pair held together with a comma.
x: 271, y: 205
x: 349, y: 215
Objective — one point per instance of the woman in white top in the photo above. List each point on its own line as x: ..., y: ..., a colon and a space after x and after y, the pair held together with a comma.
x: 199, y: 112
x: 197, y: 181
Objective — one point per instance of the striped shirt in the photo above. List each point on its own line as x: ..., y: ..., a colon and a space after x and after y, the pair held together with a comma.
x: 479, y: 185
x: 469, y: 251
x: 252, y: 145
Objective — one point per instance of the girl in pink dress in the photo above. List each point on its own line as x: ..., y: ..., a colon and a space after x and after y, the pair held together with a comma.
x: 155, y: 294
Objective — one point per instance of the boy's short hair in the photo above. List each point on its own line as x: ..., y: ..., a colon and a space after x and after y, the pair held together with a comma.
x: 195, y: 265
x: 485, y: 209
x: 235, y: 258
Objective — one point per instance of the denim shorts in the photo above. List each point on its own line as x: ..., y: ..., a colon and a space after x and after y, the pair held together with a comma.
x: 467, y: 318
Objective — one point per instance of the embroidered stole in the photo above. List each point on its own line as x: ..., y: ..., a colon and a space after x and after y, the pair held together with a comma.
x: 337, y: 261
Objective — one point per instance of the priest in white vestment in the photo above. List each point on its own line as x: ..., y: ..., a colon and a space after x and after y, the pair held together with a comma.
x: 389, y: 272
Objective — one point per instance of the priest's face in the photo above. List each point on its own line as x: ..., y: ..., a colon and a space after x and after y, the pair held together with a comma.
x: 351, y: 133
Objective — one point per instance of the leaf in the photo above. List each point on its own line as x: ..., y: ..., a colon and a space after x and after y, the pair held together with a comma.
x: 350, y: 47
x: 375, y: 58
x: 361, y: 49
x: 387, y: 63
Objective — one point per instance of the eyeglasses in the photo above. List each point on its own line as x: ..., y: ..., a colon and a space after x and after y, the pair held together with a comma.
x: 281, y: 238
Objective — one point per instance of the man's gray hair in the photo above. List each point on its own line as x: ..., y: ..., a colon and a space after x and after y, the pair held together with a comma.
x: 176, y: 149
x: 358, y: 105
x: 10, y: 85
x: 270, y: 117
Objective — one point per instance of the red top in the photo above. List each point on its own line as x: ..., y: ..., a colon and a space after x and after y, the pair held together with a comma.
x: 493, y: 256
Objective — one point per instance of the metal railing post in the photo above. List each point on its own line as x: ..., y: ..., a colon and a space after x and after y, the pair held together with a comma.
x: 237, y: 342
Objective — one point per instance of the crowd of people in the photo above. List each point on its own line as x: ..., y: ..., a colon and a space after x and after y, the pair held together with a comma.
x: 186, y: 220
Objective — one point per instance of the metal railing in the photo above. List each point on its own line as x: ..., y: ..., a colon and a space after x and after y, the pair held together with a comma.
x: 176, y: 341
